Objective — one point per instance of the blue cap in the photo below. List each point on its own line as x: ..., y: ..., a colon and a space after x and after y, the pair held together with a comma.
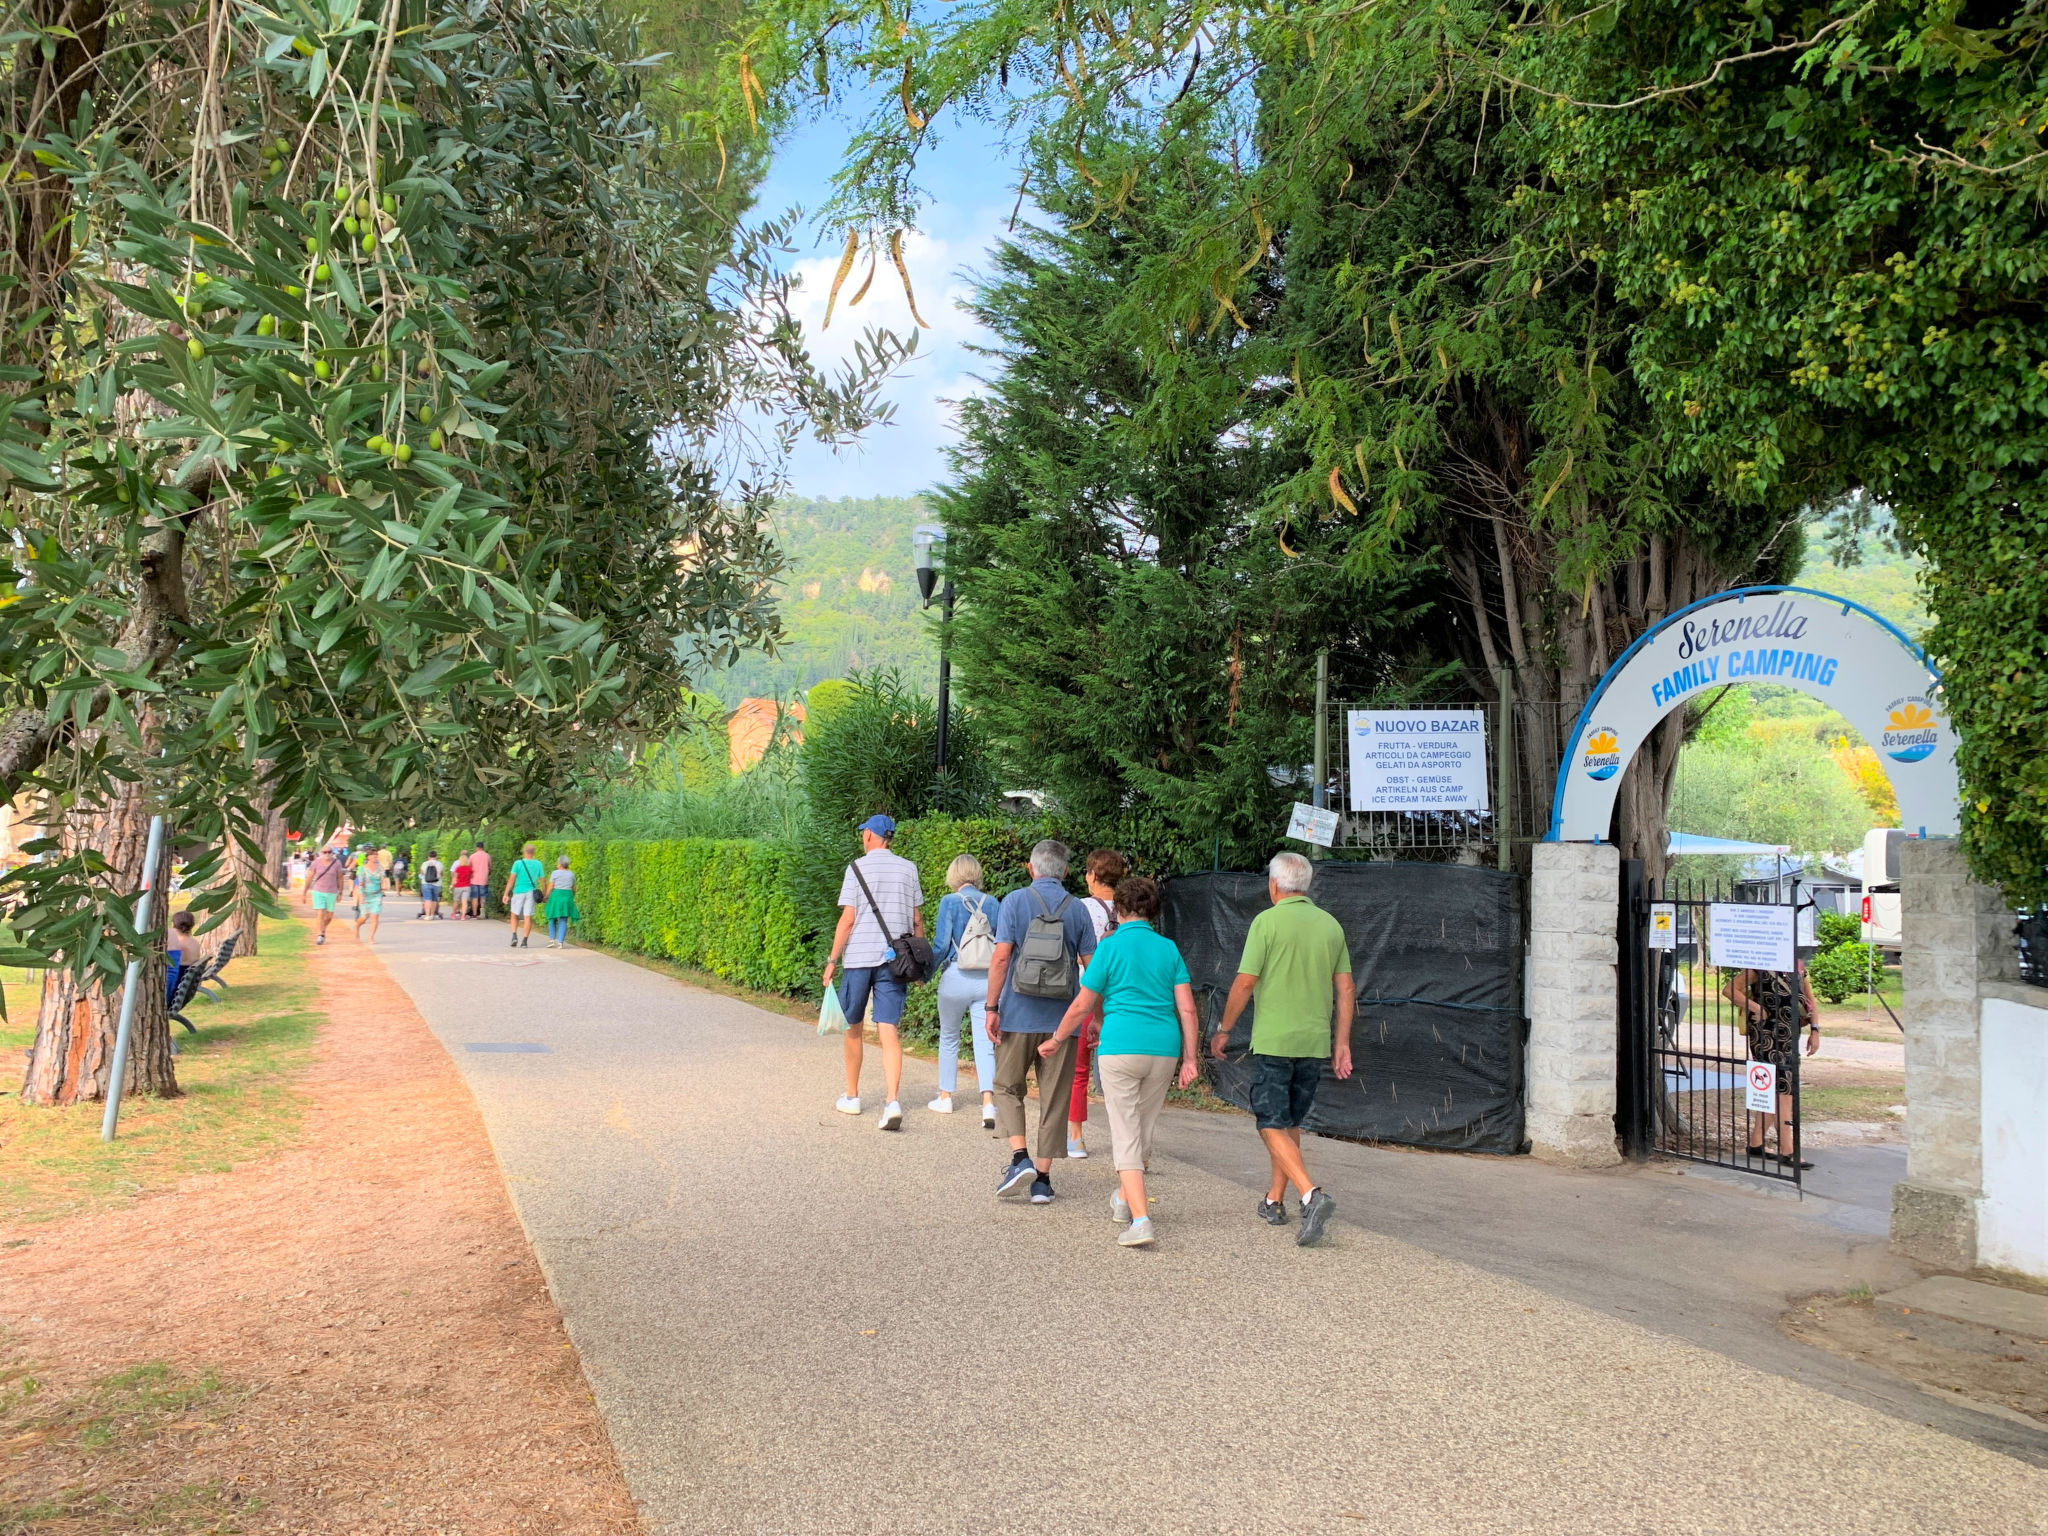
x: 881, y: 826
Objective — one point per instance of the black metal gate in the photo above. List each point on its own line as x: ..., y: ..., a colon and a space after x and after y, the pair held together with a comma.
x: 1693, y: 1033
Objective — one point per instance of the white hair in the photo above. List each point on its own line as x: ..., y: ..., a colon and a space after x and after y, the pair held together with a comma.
x: 1291, y: 872
x: 1049, y: 859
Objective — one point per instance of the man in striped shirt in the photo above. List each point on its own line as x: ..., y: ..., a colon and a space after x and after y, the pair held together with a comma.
x: 870, y: 921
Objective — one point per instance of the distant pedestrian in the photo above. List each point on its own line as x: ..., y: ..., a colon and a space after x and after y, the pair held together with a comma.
x: 522, y: 894
x: 1773, y: 1003
x: 1104, y: 869
x: 179, y: 948
x: 323, y: 885
x: 880, y: 901
x: 459, y: 891
x: 1042, y: 937
x: 430, y: 886
x: 369, y: 895
x: 1137, y: 986
x: 479, y: 882
x: 561, y: 908
x: 963, y: 948
x: 1298, y: 968
x: 400, y: 867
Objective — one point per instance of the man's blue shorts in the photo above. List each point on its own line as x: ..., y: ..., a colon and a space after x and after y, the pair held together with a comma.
x: 1283, y: 1089
x: 858, y: 982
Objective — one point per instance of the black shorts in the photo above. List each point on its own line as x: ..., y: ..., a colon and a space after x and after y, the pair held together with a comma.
x: 1283, y: 1088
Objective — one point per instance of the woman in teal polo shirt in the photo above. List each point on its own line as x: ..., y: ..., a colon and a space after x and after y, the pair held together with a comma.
x: 1140, y: 982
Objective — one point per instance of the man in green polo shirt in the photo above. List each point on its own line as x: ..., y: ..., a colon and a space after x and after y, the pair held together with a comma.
x: 1297, y: 968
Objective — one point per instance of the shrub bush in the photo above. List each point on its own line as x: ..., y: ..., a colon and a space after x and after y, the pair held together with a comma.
x: 1842, y: 971
x: 1837, y: 928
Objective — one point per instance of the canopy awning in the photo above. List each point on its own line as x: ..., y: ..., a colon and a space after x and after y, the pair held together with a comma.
x: 1688, y: 842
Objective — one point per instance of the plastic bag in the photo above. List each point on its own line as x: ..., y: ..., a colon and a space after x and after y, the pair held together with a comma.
x: 831, y: 1017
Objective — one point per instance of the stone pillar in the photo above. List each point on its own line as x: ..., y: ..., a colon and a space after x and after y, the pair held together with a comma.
x: 1954, y: 933
x: 1574, y: 897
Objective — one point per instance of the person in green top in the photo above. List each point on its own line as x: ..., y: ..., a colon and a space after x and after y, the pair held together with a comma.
x: 1140, y: 982
x: 522, y: 893
x: 1297, y: 967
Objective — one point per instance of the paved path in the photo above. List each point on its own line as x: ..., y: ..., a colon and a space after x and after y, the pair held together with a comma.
x: 796, y: 1323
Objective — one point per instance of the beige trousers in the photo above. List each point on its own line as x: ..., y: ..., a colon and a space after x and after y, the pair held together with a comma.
x: 1134, y: 1088
x: 1016, y: 1058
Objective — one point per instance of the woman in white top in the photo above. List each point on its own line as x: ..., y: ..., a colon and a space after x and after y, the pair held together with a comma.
x: 963, y: 945
x: 1105, y: 868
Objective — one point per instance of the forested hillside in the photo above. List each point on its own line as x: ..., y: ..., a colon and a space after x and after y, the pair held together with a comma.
x: 848, y: 599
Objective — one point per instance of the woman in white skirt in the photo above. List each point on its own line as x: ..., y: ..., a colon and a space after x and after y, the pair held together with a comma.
x: 964, y: 946
x: 1139, y: 980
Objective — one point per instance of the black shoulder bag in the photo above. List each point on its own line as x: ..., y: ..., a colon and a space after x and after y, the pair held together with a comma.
x: 912, y: 961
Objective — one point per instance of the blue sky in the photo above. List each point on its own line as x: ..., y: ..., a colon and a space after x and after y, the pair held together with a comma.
x: 973, y: 188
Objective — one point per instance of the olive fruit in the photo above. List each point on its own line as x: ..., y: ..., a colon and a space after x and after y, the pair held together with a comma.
x: 322, y: 272
x: 295, y: 290
x: 426, y: 414
x: 267, y: 326
x: 322, y: 369
x: 378, y: 443
x: 369, y: 244
x: 390, y: 204
x: 196, y: 347
x: 350, y: 224
x: 403, y: 453
x: 434, y: 439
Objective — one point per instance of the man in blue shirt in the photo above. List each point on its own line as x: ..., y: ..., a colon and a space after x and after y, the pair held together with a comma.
x: 1042, y: 936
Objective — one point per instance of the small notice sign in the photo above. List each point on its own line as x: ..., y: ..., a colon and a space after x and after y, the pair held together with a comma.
x: 1418, y: 759
x: 1763, y: 1087
x: 1749, y: 937
x: 1310, y: 824
x: 1663, y: 925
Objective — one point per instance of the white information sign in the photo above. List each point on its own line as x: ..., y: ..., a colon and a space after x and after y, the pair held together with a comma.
x: 1418, y: 759
x: 1311, y: 825
x: 1763, y: 1087
x: 1826, y: 646
x: 1663, y: 925
x: 1744, y: 936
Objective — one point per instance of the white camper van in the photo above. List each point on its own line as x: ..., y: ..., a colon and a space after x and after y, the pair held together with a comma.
x: 1881, y: 890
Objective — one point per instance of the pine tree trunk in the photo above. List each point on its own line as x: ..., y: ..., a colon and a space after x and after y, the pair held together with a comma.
x: 265, y: 865
x: 72, y: 1059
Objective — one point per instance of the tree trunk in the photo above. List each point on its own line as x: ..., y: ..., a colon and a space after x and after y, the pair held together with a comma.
x: 72, y: 1059
x: 265, y: 865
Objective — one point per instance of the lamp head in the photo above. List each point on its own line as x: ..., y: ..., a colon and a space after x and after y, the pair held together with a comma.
x: 925, y: 540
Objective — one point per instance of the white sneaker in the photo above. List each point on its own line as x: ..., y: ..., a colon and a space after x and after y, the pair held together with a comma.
x: 848, y: 1104
x: 1119, y: 1207
x: 1137, y: 1235
x: 1075, y: 1149
x: 942, y: 1105
x: 892, y: 1117
x: 988, y: 1117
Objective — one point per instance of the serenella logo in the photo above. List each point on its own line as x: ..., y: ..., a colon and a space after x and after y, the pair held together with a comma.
x: 1602, y: 757
x: 1911, y: 731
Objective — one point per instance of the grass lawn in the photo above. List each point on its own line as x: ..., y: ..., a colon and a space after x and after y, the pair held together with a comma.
x: 240, y: 1101
x: 1866, y: 1102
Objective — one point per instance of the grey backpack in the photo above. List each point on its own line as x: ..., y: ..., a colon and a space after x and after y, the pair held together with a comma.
x: 1045, y: 966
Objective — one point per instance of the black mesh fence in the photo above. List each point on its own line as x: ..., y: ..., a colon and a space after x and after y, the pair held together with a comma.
x: 1436, y: 955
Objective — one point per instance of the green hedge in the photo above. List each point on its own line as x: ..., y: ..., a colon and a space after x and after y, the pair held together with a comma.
x: 737, y: 909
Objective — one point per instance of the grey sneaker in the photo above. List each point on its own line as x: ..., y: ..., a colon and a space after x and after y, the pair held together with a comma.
x: 1273, y: 1212
x: 1017, y: 1177
x: 1137, y: 1235
x: 1316, y: 1212
x: 1041, y: 1190
x: 1119, y: 1208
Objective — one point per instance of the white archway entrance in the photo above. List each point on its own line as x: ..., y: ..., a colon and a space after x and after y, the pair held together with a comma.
x: 1837, y: 650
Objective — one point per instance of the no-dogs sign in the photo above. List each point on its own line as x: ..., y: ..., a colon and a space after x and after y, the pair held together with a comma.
x: 1763, y: 1087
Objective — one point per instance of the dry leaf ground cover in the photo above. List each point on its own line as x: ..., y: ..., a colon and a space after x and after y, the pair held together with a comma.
x: 313, y: 1311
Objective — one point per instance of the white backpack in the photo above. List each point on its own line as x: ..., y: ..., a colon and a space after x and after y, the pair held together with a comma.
x: 977, y: 951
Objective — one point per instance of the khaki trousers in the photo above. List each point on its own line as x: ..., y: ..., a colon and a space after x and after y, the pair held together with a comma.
x: 1017, y: 1055
x: 1133, y: 1090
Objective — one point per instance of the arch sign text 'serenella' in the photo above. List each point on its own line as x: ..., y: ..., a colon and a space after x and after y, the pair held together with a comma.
x: 1834, y: 649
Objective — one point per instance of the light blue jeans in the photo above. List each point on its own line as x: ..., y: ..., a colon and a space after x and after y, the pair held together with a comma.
x: 961, y: 994
x: 558, y: 929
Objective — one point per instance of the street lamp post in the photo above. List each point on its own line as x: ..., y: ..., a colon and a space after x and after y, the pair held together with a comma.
x: 926, y: 540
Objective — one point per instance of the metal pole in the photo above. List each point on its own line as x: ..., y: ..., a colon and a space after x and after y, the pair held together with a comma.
x: 1320, y: 795
x: 945, y: 666
x: 1504, y: 775
x: 127, y: 1025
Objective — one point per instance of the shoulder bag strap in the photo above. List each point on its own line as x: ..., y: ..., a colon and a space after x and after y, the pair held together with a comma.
x: 873, y: 906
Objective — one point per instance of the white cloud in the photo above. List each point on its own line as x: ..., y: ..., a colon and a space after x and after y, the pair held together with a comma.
x: 907, y: 455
